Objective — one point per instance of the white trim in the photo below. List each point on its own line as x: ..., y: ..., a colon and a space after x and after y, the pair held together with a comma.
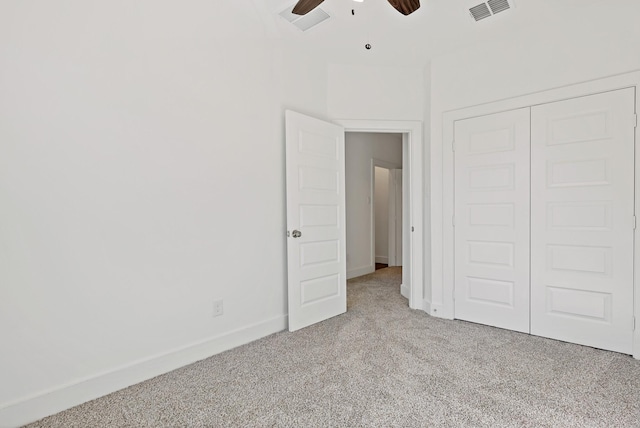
x: 404, y: 291
x: 442, y: 184
x: 45, y: 403
x: 384, y: 164
x: 412, y: 131
x: 382, y: 259
x: 435, y: 310
x: 354, y: 273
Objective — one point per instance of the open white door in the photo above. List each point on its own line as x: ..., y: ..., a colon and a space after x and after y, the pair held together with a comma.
x: 316, y: 235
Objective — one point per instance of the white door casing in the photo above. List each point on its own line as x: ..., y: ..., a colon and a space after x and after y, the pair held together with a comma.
x: 315, y: 164
x: 582, y: 154
x: 413, y: 198
x: 492, y: 220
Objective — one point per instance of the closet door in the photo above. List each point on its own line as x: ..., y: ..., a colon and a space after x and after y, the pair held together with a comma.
x: 492, y: 220
x: 582, y: 198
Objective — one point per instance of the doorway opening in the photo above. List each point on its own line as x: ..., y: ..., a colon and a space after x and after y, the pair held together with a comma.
x: 377, y: 211
x: 316, y: 214
x: 373, y: 175
x: 387, y: 214
x: 380, y: 207
x: 412, y: 199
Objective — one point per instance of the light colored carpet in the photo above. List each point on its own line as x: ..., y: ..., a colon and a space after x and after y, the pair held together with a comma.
x: 382, y: 365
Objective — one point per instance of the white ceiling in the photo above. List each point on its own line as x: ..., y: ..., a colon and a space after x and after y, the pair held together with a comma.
x: 438, y: 27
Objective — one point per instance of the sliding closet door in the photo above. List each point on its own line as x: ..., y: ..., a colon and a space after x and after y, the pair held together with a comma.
x: 582, y: 182
x: 492, y: 220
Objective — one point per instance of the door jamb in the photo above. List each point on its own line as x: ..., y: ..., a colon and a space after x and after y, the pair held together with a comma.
x: 412, y: 145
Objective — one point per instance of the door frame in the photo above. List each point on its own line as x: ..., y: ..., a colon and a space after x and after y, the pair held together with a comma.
x: 442, y: 182
x: 412, y: 170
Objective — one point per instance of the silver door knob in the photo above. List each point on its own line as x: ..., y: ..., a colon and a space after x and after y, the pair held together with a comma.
x: 296, y: 234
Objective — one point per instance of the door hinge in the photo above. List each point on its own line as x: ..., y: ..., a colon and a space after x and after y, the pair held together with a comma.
x: 453, y: 146
x: 288, y: 234
x: 635, y: 222
x: 453, y: 221
x: 633, y: 324
x: 635, y: 120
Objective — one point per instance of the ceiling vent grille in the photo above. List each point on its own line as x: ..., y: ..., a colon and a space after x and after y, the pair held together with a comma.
x: 305, y: 22
x: 480, y: 11
x: 498, y: 6
x: 490, y: 8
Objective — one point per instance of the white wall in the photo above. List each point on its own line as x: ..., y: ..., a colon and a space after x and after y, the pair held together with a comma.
x: 360, y: 149
x: 367, y: 92
x: 598, y: 41
x: 377, y: 93
x: 138, y: 144
x: 381, y: 214
x: 304, y: 82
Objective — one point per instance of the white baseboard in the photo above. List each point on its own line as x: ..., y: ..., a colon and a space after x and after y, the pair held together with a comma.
x: 382, y: 259
x: 439, y: 311
x: 50, y: 402
x: 353, y: 273
x: 404, y: 291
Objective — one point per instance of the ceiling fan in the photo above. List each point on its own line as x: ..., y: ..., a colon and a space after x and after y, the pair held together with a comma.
x: 405, y: 7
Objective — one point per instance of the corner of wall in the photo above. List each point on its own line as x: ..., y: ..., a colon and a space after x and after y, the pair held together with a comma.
x: 426, y: 136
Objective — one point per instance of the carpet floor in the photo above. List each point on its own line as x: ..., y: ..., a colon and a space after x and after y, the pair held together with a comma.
x: 382, y: 365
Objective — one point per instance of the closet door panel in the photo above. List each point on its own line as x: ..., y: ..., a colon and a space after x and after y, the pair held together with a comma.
x: 582, y: 201
x: 492, y: 220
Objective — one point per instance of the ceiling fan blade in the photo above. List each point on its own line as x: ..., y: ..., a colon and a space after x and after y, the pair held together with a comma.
x: 405, y: 7
x: 305, y: 6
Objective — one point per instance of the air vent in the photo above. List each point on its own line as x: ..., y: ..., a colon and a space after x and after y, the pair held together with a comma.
x: 498, y: 6
x: 490, y: 8
x: 307, y: 21
x: 480, y: 11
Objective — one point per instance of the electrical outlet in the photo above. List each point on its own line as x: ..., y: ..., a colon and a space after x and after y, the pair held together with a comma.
x: 218, y: 308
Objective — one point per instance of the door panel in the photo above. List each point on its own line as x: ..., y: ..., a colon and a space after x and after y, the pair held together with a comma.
x: 315, y: 208
x: 492, y: 220
x: 582, y: 198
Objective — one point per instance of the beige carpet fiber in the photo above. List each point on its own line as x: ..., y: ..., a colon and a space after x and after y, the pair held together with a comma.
x: 382, y: 365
